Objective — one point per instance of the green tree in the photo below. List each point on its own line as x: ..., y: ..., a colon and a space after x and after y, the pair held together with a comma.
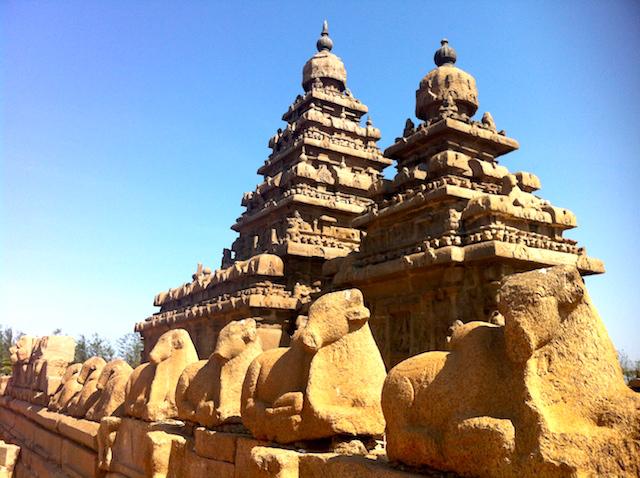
x: 630, y: 368
x: 101, y: 347
x: 8, y: 337
x: 82, y: 353
x: 94, y: 346
x: 130, y: 348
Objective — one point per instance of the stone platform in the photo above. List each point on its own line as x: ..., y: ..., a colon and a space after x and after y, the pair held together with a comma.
x: 55, y: 445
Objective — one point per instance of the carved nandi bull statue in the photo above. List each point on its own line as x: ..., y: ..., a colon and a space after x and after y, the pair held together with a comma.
x: 68, y: 389
x: 20, y: 358
x: 88, y: 377
x: 151, y: 389
x: 149, y: 396
x: 208, y: 392
x: 111, y: 387
x: 542, y: 395
x: 327, y: 383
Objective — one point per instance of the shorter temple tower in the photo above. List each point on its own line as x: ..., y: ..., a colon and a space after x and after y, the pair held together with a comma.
x: 451, y: 224
x: 321, y: 174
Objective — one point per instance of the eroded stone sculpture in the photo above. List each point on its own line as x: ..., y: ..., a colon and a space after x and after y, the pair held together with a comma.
x: 20, y: 356
x: 88, y: 377
x: 50, y: 358
x: 8, y: 459
x: 68, y: 389
x: 111, y: 388
x: 542, y: 395
x: 150, y: 391
x: 208, y: 392
x: 327, y: 383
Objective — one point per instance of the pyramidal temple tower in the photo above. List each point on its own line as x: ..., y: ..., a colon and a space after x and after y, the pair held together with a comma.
x: 322, y: 173
x: 318, y: 178
x: 451, y: 224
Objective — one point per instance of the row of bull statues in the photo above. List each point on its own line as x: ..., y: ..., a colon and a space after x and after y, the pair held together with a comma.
x: 538, y: 392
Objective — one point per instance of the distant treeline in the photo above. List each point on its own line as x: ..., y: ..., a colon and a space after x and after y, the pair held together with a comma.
x: 127, y: 347
x: 630, y: 368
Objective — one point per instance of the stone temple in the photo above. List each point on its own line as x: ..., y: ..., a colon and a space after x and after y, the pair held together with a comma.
x: 427, y: 248
x: 324, y: 171
x: 434, y: 324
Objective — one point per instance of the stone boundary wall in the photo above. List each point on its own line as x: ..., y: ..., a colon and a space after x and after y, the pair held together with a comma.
x: 56, y: 445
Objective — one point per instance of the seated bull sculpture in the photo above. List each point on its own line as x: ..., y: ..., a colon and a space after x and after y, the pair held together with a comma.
x: 68, y: 389
x: 328, y: 383
x: 110, y: 388
x: 151, y: 389
x: 208, y: 392
x: 542, y: 395
x: 20, y: 357
x: 88, y: 377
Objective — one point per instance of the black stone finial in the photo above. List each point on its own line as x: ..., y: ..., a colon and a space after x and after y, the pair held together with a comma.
x: 445, y: 54
x: 324, y: 42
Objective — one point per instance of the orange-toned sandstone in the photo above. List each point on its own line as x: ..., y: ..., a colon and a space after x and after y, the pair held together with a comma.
x: 151, y: 389
x: 8, y: 457
x: 50, y: 358
x: 327, y: 383
x: 111, y: 388
x: 88, y: 395
x: 208, y: 392
x: 68, y: 389
x: 542, y: 395
x: 20, y: 357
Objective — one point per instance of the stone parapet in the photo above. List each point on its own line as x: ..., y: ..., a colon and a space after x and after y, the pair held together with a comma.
x: 54, y: 445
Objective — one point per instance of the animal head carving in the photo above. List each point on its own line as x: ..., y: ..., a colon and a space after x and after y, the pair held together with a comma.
x: 331, y: 317
x: 234, y: 338
x: 534, y: 305
x: 170, y: 342
x: 91, y: 369
x: 111, y: 371
x: 71, y: 373
x: 21, y: 351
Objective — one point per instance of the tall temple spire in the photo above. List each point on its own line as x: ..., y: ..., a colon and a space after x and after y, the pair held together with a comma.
x: 324, y: 42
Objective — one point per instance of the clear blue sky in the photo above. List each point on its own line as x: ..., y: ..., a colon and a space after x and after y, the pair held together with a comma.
x: 129, y: 131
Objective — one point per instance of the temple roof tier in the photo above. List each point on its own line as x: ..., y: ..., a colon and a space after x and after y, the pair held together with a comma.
x: 330, y: 143
x: 329, y: 204
x: 474, y: 139
x: 264, y: 265
x: 245, y: 302
x: 321, y: 95
x: 488, y: 252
